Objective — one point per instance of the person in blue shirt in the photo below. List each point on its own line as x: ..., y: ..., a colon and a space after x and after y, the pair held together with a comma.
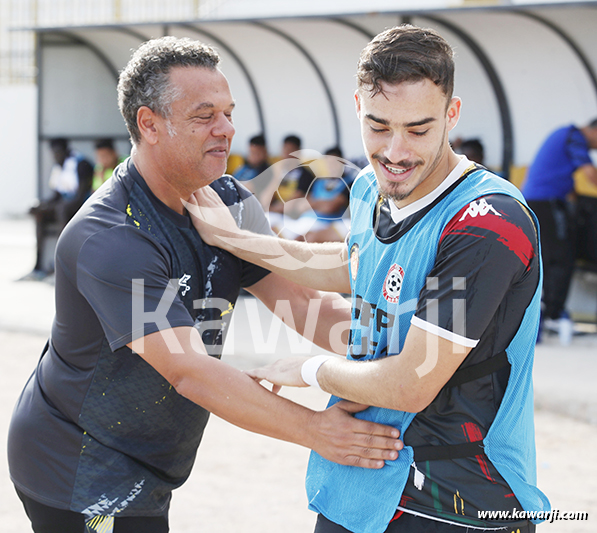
x: 257, y: 161
x: 549, y: 191
x: 444, y: 269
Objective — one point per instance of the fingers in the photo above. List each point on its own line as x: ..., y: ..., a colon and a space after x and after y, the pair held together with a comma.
x: 354, y: 442
x: 255, y: 373
x: 369, y: 428
x: 207, y: 197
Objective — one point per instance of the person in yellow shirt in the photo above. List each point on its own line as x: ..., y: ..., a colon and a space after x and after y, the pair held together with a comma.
x: 106, y: 160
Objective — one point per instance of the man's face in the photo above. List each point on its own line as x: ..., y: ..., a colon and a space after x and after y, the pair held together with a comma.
x: 405, y: 134
x: 60, y: 154
x: 257, y: 155
x: 194, y: 142
x: 106, y: 157
x: 288, y: 148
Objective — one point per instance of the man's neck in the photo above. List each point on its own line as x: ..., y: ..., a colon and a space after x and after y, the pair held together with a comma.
x: 154, y: 176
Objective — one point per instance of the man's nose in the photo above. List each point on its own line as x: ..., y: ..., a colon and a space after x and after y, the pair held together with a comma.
x: 397, y: 149
x: 224, y: 127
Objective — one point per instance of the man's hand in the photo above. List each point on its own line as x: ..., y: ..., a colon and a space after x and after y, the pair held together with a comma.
x: 283, y: 372
x: 349, y: 441
x: 211, y: 217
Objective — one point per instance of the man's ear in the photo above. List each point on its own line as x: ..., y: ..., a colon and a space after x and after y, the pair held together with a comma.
x: 454, y: 112
x: 357, y: 103
x: 146, y: 122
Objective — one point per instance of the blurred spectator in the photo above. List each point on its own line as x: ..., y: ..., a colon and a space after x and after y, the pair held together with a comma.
x: 473, y: 150
x: 70, y: 184
x: 548, y: 188
x: 585, y: 186
x: 106, y: 160
x: 291, y: 179
x: 325, y: 219
x: 256, y: 162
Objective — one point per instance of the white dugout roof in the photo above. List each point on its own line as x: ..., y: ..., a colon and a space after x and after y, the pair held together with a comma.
x: 521, y: 71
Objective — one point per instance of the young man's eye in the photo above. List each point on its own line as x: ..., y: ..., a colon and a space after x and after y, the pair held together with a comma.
x: 376, y: 130
x: 419, y: 133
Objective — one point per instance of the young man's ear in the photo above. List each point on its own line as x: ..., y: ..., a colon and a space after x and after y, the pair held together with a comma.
x: 357, y: 103
x: 454, y: 112
x: 146, y: 122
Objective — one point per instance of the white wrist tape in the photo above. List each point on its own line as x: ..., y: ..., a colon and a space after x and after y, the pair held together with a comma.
x: 310, y: 368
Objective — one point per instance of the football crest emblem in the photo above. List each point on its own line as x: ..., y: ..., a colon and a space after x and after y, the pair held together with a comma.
x: 393, y: 283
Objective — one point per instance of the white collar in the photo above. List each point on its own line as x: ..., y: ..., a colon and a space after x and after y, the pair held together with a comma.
x: 400, y: 214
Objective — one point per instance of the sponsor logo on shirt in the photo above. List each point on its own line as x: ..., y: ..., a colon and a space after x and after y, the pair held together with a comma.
x: 479, y: 208
x: 182, y: 283
x: 393, y: 283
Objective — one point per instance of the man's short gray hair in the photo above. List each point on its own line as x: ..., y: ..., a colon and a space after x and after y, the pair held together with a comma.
x: 145, y: 81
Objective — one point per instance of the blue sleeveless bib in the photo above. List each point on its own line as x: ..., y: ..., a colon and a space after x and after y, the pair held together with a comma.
x: 386, y: 281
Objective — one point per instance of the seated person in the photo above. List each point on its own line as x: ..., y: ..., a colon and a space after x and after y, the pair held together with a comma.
x: 325, y: 218
x: 290, y: 181
x: 70, y: 183
x: 106, y: 160
x: 256, y: 162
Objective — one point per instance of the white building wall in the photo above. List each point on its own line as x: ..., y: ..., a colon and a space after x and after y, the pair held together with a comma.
x: 18, y: 149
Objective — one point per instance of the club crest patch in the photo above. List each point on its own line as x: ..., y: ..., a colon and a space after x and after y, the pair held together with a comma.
x: 393, y: 283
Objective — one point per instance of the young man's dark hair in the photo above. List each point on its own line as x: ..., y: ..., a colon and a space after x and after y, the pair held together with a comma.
x: 406, y: 54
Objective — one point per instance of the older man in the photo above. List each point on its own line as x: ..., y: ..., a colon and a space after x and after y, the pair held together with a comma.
x: 110, y: 422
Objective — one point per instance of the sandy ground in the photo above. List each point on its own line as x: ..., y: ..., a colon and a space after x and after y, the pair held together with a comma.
x: 246, y: 482
x: 249, y: 483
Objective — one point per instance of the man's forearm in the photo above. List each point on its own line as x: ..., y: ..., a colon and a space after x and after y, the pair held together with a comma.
x: 320, y: 266
x: 235, y: 397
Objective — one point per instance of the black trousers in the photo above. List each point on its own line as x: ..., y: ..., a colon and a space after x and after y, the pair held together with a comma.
x: 586, y: 208
x: 408, y: 523
x: 558, y: 248
x: 45, y: 519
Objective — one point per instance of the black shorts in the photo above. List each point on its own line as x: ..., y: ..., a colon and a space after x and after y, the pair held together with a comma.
x: 409, y: 523
x: 45, y: 519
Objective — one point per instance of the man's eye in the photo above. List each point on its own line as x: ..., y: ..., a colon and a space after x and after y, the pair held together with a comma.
x: 376, y: 130
x: 419, y: 133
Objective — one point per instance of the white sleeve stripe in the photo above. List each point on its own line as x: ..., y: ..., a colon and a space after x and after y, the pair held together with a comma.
x: 443, y: 333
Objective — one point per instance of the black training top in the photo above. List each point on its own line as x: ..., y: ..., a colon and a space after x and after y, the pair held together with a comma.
x: 97, y: 430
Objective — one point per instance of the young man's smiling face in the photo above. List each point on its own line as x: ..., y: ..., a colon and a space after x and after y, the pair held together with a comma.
x: 405, y: 134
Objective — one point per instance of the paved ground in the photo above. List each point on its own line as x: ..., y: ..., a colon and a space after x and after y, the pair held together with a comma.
x: 244, y: 482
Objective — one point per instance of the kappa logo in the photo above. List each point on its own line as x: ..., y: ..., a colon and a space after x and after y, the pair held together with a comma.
x: 479, y: 208
x: 393, y: 283
x: 182, y: 282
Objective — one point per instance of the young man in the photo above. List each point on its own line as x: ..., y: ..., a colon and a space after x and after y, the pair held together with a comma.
x: 443, y: 265
x: 110, y: 422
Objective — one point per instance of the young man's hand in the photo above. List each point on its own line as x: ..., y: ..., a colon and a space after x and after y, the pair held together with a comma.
x: 211, y: 217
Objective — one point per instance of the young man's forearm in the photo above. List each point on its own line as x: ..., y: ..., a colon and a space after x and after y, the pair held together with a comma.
x: 321, y: 266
